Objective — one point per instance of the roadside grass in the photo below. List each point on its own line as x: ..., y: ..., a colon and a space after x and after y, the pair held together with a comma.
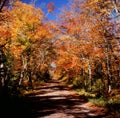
x: 112, y: 103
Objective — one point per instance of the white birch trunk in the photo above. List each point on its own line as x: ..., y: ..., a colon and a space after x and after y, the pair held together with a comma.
x: 107, y: 50
x: 89, y: 72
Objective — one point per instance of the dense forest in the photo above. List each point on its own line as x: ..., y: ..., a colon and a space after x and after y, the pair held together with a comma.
x: 81, y: 47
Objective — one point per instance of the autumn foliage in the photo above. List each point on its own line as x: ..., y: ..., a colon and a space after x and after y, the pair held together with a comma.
x: 82, y: 44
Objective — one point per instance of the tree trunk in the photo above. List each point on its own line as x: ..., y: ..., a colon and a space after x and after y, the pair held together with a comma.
x: 2, y: 67
x: 23, y: 70
x: 108, y: 65
x: 3, y: 74
x: 29, y: 68
x: 109, y: 73
x: 89, y: 73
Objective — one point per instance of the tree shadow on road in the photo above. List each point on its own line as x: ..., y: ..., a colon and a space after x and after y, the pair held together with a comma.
x: 48, y: 101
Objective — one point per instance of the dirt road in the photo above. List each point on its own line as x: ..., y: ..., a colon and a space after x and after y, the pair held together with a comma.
x: 55, y: 100
x: 51, y: 100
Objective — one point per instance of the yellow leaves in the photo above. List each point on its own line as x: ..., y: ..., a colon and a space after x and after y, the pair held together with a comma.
x: 104, y: 11
x: 67, y: 58
x: 26, y: 19
x: 68, y: 62
x: 64, y: 37
x: 93, y: 2
x: 25, y: 30
x: 4, y: 35
x: 26, y: 12
x: 29, y: 22
x: 16, y: 49
x: 81, y: 32
x: 40, y: 33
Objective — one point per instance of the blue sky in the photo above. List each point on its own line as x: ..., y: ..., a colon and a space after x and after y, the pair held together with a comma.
x: 42, y: 4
